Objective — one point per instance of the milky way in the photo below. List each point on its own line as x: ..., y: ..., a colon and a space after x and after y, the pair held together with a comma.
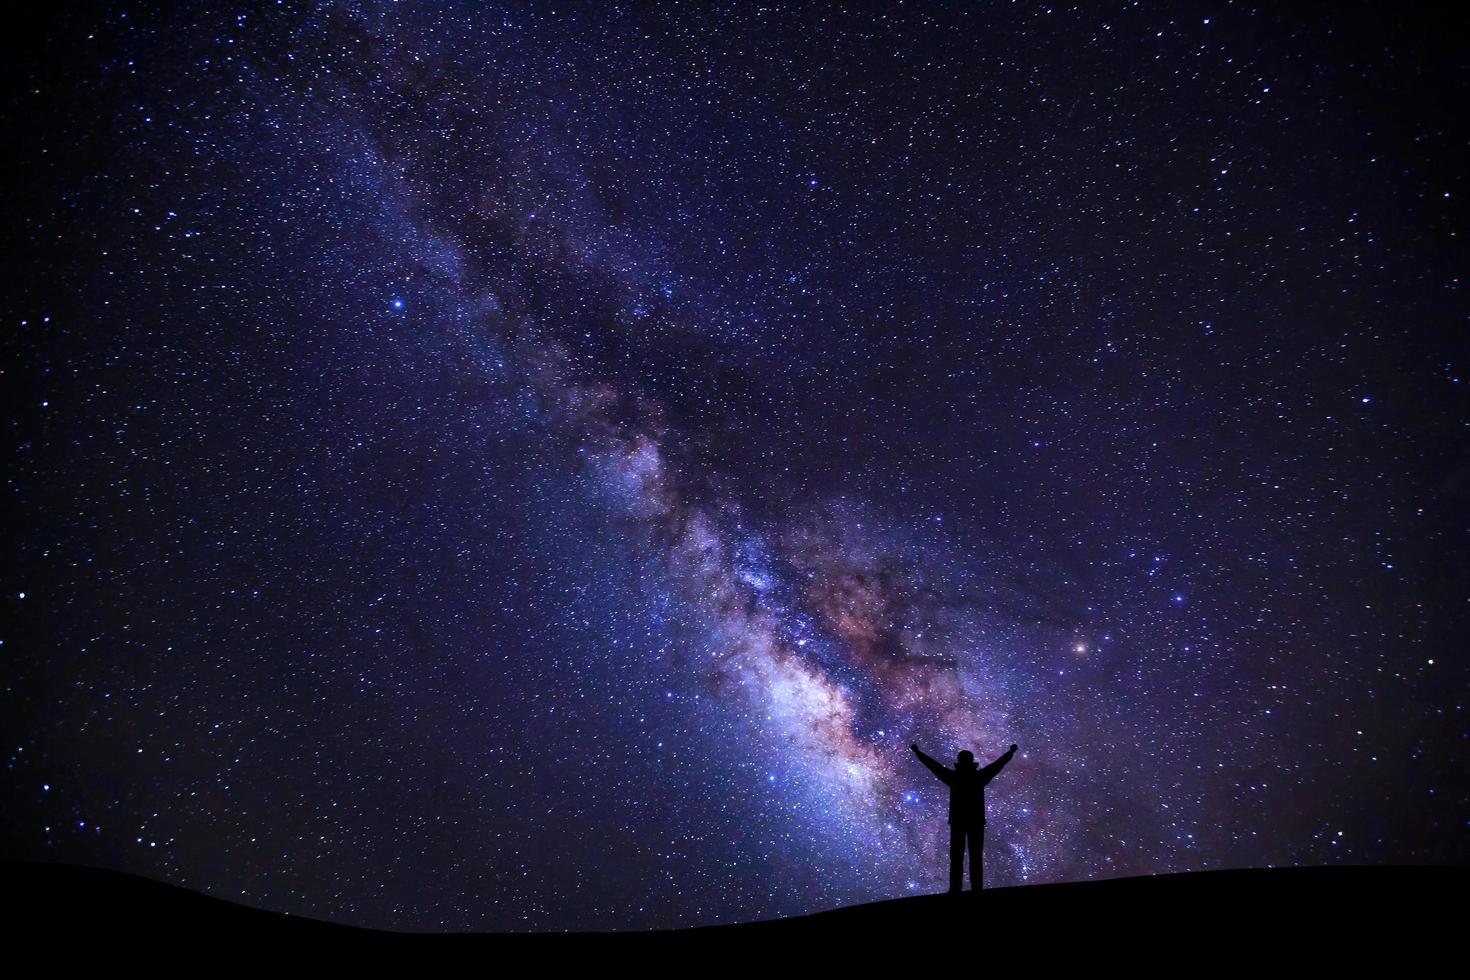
x: 540, y: 468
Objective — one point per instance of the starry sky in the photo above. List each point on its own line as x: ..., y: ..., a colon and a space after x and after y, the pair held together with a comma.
x: 540, y: 467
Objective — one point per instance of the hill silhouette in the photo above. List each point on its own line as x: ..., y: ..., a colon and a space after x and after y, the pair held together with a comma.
x: 1328, y: 914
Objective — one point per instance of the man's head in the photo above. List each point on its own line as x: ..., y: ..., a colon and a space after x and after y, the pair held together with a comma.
x: 965, y: 760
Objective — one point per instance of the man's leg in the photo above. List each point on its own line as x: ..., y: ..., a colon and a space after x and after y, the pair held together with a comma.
x: 977, y: 857
x: 956, y: 857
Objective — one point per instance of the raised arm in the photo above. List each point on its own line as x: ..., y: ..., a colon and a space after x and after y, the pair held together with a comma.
x: 988, y: 773
x: 943, y: 772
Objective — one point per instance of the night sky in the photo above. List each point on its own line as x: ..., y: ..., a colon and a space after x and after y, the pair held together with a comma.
x: 540, y: 468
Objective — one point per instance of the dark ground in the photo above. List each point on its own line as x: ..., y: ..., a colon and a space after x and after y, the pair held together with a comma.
x: 1337, y: 915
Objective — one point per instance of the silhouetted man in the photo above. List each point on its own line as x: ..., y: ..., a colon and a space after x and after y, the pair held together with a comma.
x: 966, y: 812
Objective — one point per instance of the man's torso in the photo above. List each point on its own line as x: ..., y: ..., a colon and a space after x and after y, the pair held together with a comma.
x: 967, y: 799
